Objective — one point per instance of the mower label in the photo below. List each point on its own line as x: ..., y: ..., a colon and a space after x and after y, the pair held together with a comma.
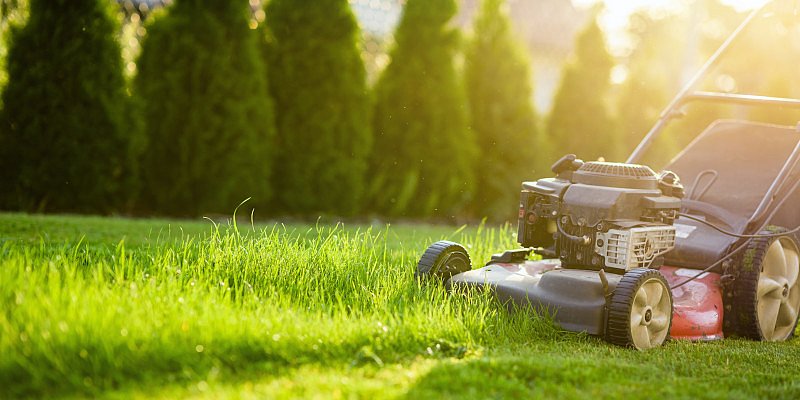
x: 683, y: 231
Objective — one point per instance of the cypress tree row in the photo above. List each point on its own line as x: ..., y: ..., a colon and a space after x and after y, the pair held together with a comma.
x: 580, y: 121
x: 424, y: 150
x: 322, y: 106
x: 202, y: 86
x: 64, y: 141
x: 499, y: 90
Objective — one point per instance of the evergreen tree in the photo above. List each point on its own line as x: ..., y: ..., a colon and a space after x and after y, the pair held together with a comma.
x: 424, y: 149
x: 580, y: 121
x: 499, y: 89
x: 322, y: 103
x: 64, y: 141
x: 202, y: 86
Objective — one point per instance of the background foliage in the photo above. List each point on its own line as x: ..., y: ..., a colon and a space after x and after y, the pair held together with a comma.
x: 499, y: 90
x: 439, y: 128
x: 202, y: 86
x: 581, y: 122
x: 322, y: 105
x: 424, y: 149
x: 66, y: 140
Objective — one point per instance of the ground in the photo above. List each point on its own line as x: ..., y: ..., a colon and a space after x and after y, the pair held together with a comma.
x: 121, y: 308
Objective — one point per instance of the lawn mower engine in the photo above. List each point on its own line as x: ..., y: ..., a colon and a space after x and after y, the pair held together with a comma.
x: 601, y: 215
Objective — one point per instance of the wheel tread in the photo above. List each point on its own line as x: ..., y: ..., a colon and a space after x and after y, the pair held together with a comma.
x: 619, y: 308
x: 740, y: 317
x: 434, y: 253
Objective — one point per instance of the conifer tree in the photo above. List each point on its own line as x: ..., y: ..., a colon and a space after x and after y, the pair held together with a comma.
x: 202, y: 86
x: 322, y: 106
x: 424, y: 149
x: 580, y: 121
x: 498, y: 81
x: 64, y: 141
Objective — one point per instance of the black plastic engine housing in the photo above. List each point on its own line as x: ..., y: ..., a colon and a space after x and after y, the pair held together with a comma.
x: 569, y: 215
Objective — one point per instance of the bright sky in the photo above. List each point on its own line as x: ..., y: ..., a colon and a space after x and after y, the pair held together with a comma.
x: 615, y: 16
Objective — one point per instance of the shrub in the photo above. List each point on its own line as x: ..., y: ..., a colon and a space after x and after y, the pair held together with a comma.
x: 66, y: 143
x: 322, y: 104
x: 580, y: 122
x: 202, y: 85
x: 424, y: 149
x: 498, y: 81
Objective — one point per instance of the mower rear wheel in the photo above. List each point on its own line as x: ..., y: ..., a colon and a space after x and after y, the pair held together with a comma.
x: 764, y: 298
x: 442, y: 260
x: 640, y: 312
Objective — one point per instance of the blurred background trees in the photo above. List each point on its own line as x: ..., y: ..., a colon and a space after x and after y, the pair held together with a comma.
x: 368, y: 120
x: 322, y: 104
x: 500, y: 94
x: 424, y: 150
x: 65, y: 141
x: 650, y: 85
x: 581, y: 122
x: 202, y: 86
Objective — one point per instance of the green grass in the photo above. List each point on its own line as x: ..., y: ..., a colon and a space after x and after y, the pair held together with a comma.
x: 151, y: 308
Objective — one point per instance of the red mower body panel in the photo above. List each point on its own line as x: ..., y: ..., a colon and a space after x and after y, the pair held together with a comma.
x: 697, y: 306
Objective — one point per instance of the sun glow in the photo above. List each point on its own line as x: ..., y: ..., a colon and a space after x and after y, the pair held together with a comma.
x: 615, y: 14
x: 741, y: 5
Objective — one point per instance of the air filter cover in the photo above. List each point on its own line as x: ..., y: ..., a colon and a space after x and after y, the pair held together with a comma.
x: 618, y: 175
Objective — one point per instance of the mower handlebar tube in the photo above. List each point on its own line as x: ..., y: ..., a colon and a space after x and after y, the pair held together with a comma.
x: 742, y: 99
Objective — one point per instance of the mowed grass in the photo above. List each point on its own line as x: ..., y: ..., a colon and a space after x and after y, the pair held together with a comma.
x: 151, y: 308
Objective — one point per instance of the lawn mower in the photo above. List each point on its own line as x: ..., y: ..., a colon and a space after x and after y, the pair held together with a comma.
x: 637, y: 257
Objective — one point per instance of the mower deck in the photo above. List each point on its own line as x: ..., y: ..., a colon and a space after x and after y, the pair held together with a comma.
x: 576, y: 299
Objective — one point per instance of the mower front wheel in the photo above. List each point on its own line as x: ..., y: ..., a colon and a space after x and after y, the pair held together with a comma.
x: 640, y: 312
x: 442, y: 260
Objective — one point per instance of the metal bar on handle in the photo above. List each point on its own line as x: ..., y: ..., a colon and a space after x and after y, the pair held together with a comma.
x: 742, y: 99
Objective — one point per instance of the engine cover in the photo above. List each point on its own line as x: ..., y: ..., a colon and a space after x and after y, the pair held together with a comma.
x: 601, y: 215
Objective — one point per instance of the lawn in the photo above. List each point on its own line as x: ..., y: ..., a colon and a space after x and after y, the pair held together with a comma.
x: 122, y: 308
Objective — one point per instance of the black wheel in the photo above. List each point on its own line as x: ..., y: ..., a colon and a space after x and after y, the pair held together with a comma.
x: 763, y: 300
x: 442, y: 260
x: 640, y: 312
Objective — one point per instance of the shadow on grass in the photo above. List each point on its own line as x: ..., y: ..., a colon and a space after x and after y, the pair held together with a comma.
x: 570, y: 367
x: 593, y: 369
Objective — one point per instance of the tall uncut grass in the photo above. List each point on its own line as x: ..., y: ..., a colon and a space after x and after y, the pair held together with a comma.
x: 80, y: 318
